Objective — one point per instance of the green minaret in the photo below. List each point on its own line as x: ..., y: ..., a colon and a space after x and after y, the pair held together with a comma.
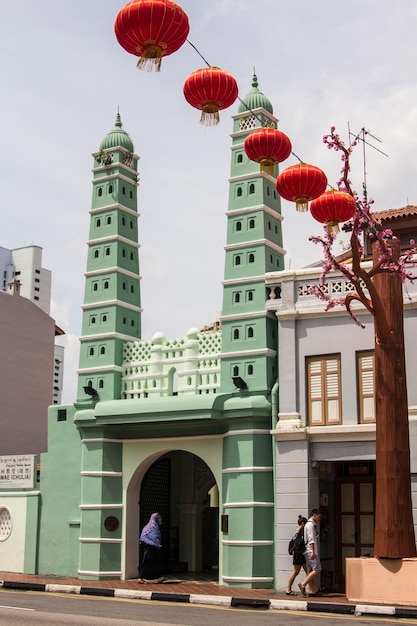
x: 111, y: 310
x: 254, y: 247
x: 249, y: 352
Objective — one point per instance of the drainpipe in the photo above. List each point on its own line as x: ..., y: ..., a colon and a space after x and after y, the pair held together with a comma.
x: 274, y: 410
x: 274, y: 403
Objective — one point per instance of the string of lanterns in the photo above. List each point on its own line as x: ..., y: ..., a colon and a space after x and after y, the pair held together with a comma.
x: 152, y: 29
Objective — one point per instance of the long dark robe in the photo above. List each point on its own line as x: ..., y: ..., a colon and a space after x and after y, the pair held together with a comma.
x: 150, y: 567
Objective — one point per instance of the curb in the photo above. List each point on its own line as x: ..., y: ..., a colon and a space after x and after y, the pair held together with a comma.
x: 255, y: 603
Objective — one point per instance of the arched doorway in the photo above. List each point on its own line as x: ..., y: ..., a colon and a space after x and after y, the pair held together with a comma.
x: 181, y: 487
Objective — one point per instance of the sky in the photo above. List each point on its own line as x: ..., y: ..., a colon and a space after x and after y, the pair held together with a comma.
x: 64, y: 76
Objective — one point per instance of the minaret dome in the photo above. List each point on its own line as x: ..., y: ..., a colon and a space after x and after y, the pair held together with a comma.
x: 117, y: 137
x: 255, y: 99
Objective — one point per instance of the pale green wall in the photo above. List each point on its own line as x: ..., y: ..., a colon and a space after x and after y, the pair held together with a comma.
x: 61, y: 486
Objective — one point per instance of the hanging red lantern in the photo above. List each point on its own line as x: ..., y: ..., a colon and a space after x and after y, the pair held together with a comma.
x: 332, y: 208
x: 210, y: 90
x: 301, y: 183
x: 151, y: 29
x: 267, y: 146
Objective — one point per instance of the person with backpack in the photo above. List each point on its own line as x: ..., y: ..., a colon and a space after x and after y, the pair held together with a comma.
x: 296, y: 547
x: 312, y: 553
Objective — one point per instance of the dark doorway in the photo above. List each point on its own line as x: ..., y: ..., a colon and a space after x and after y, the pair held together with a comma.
x: 155, y: 498
x: 210, y: 537
x: 181, y: 487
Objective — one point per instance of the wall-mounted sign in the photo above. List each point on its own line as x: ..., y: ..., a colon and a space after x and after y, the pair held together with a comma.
x: 17, y: 471
x: 357, y: 469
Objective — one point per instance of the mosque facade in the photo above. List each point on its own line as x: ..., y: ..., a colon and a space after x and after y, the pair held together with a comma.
x: 180, y: 426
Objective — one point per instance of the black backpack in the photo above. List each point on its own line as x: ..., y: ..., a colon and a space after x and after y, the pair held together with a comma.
x: 297, y: 543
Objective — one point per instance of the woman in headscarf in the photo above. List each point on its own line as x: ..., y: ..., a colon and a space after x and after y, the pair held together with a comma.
x: 150, y: 538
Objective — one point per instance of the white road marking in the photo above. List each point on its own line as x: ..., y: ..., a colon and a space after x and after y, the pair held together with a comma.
x: 16, y: 608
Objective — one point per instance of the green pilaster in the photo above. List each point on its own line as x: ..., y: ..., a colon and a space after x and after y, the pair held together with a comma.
x: 248, y: 502
x: 254, y: 247
x: 112, y: 308
x: 101, y: 509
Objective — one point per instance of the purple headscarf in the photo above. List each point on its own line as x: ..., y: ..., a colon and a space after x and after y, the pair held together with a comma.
x: 151, y: 533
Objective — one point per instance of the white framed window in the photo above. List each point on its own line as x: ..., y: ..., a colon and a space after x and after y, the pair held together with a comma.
x: 324, y: 393
x: 365, y: 376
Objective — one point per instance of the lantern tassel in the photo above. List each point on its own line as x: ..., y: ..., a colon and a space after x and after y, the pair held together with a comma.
x: 333, y: 227
x: 151, y: 59
x: 301, y: 204
x: 210, y: 115
x: 267, y: 166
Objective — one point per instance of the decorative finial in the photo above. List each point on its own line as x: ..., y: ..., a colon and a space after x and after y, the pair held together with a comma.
x: 254, y: 79
x: 118, y: 122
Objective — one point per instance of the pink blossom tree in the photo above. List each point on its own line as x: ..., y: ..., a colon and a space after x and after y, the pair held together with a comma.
x: 378, y: 286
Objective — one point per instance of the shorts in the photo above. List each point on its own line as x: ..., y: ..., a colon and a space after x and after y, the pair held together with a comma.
x: 312, y: 564
x: 298, y: 558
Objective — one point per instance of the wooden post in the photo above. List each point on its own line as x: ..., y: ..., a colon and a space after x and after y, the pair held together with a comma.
x: 394, y: 530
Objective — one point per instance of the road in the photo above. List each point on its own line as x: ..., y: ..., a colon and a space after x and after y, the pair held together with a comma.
x: 38, y: 609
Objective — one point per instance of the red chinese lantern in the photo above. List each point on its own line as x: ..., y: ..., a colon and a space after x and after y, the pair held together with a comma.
x: 332, y: 208
x: 151, y: 29
x: 267, y: 146
x: 210, y: 90
x: 301, y: 183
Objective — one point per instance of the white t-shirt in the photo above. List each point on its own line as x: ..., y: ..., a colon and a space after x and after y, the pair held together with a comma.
x: 311, y: 536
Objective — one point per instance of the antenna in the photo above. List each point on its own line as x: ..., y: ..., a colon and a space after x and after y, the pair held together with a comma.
x: 361, y: 137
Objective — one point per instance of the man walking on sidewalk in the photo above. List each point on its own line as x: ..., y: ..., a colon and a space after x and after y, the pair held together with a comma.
x: 312, y: 553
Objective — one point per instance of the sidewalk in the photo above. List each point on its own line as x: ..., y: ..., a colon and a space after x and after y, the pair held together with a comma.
x: 196, y: 589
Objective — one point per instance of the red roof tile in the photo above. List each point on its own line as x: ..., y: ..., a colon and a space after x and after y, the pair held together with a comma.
x: 391, y: 214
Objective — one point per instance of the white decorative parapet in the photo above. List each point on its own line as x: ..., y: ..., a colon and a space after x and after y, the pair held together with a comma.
x: 291, y: 292
x: 163, y: 367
